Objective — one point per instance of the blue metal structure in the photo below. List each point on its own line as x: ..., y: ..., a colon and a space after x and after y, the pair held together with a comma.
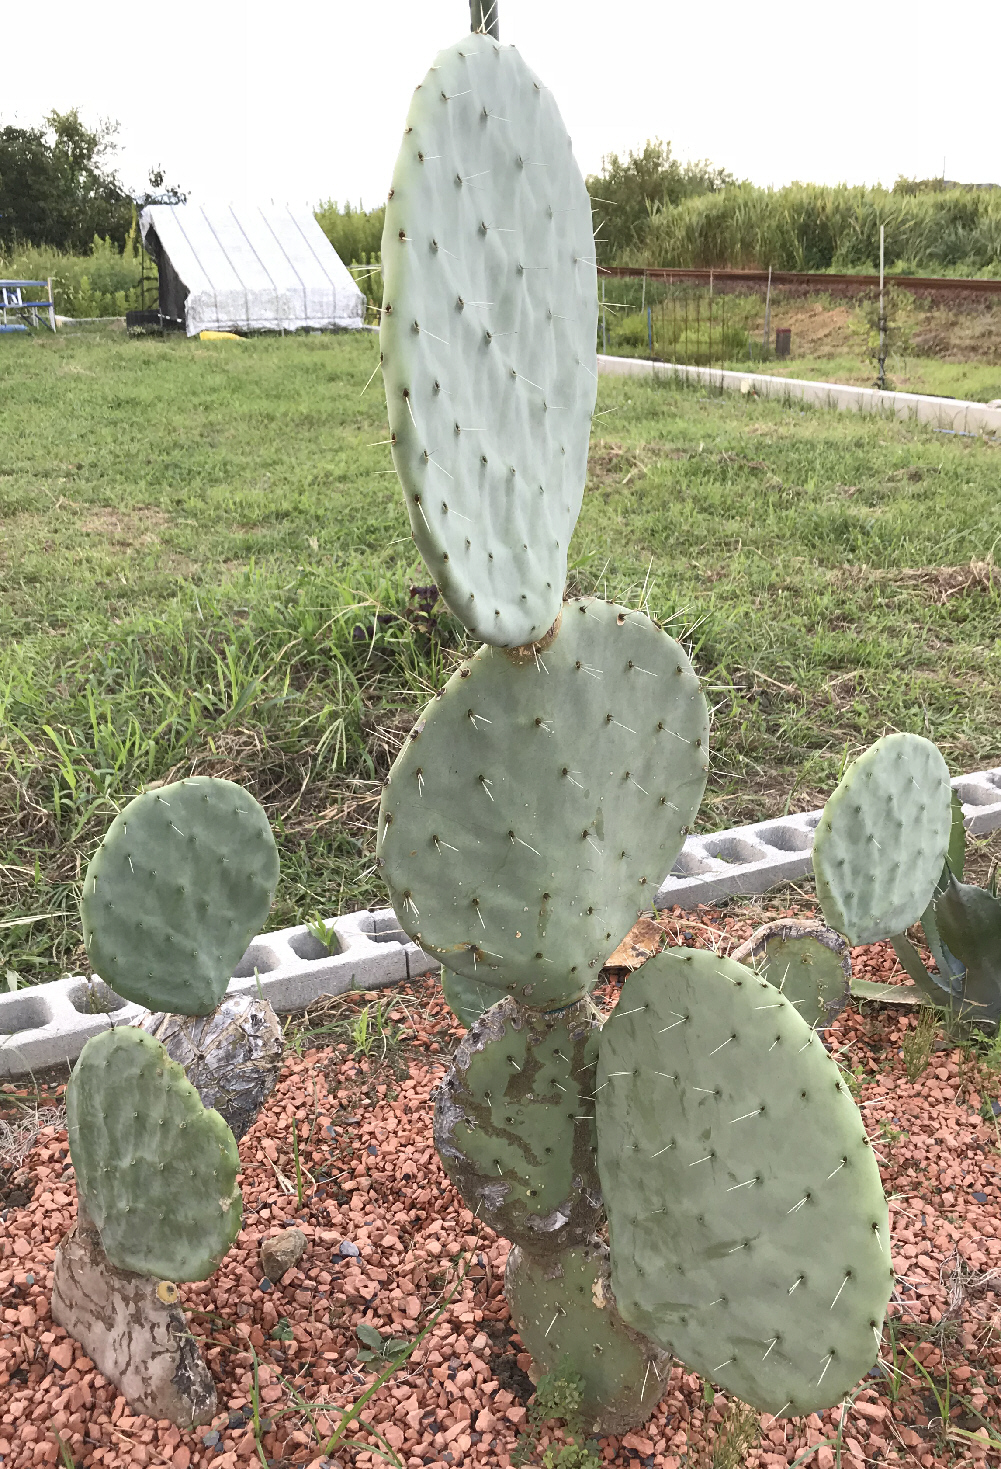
x: 12, y: 302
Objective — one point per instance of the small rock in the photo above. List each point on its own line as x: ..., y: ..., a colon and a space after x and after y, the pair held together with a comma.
x: 281, y: 1251
x: 980, y: 1198
x: 237, y: 1418
x: 212, y: 1439
x: 29, y: 1279
x: 347, y: 1248
x: 265, y: 1283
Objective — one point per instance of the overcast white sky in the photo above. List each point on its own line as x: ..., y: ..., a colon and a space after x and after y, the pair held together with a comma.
x: 305, y: 100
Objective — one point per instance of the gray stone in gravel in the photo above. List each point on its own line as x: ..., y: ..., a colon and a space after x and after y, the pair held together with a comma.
x: 279, y: 1252
x: 347, y: 1248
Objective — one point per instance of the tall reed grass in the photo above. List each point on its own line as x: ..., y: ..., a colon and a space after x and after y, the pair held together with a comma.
x: 815, y: 227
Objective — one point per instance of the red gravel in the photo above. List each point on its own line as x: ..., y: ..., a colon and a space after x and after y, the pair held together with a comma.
x: 461, y: 1399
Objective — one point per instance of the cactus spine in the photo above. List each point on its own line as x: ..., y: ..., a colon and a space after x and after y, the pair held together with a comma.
x: 542, y: 796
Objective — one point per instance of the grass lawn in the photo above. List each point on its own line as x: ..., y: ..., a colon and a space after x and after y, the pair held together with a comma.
x: 206, y: 567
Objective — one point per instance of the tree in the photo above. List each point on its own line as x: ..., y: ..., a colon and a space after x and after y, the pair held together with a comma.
x: 628, y: 194
x: 58, y: 186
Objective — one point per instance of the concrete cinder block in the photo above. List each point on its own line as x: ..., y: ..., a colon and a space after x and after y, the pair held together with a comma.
x: 50, y: 1024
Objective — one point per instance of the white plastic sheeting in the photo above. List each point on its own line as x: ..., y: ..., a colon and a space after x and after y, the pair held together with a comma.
x: 253, y: 267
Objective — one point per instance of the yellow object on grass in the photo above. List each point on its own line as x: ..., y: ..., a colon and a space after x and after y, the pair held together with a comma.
x: 219, y: 337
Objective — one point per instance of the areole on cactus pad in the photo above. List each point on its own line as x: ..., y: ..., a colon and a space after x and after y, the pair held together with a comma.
x: 539, y: 801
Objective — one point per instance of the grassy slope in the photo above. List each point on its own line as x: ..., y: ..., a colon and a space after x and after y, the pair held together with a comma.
x: 198, y: 541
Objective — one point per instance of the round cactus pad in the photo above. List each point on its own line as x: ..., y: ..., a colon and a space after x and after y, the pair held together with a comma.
x: 747, y: 1223
x: 564, y: 1313
x: 155, y: 1169
x: 807, y: 961
x: 488, y: 337
x: 883, y: 837
x: 540, y: 801
x: 173, y: 895
x: 514, y: 1125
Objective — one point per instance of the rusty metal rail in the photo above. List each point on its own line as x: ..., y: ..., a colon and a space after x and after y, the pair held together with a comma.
x: 817, y: 281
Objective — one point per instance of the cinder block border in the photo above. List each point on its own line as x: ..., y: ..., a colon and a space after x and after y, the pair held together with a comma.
x: 947, y: 415
x: 49, y: 1024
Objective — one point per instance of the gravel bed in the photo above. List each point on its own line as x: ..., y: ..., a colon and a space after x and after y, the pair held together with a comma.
x: 386, y: 1233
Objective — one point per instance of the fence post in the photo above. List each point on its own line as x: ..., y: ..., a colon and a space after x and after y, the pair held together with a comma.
x: 882, y: 316
x: 604, y: 327
x: 52, y: 305
x: 768, y: 312
x: 649, y: 328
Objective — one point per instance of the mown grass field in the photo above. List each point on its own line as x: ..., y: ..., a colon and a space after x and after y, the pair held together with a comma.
x: 206, y: 567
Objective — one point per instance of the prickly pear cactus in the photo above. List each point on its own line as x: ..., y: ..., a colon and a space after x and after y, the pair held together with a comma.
x: 969, y: 921
x: 514, y: 1125
x: 181, y: 883
x: 566, y: 1315
x: 747, y: 1223
x: 466, y: 998
x: 155, y: 1169
x: 883, y: 838
x: 539, y: 802
x: 807, y: 961
x: 488, y: 337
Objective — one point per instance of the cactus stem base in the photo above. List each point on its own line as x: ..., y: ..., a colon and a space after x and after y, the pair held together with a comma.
x: 131, y: 1330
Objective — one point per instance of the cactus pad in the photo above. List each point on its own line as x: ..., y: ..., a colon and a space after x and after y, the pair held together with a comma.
x: 466, y: 998
x: 882, y: 839
x: 539, y: 802
x: 488, y: 337
x: 565, y: 1314
x: 514, y: 1125
x: 155, y: 1169
x: 180, y: 885
x: 807, y: 961
x: 969, y: 922
x: 747, y: 1223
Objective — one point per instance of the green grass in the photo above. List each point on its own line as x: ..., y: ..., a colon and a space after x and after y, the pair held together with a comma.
x: 979, y: 382
x: 206, y: 566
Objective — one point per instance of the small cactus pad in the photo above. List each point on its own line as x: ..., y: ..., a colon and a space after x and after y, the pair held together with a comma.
x: 514, y: 1125
x: 969, y: 922
x: 807, y: 961
x: 466, y: 998
x: 488, y: 337
x: 155, y: 1169
x: 180, y: 885
x: 540, y: 800
x: 882, y: 839
x: 747, y: 1223
x: 565, y: 1314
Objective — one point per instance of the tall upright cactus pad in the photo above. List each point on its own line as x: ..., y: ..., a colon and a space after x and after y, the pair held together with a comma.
x: 181, y: 883
x: 566, y: 1316
x: 747, y: 1223
x: 882, y: 840
x: 488, y: 337
x: 514, y: 1125
x: 539, y: 802
x: 969, y: 922
x: 155, y: 1169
